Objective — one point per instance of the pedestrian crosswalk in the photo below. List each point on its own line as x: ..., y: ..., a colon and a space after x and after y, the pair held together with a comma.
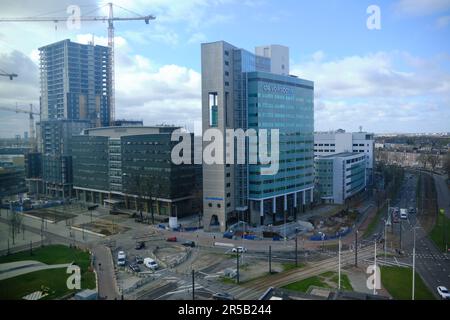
x: 429, y: 256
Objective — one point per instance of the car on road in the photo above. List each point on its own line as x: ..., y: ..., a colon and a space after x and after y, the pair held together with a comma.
x: 222, y: 296
x: 140, y: 245
x: 403, y: 214
x: 411, y: 210
x: 189, y: 243
x: 443, y: 292
x: 138, y: 260
x: 151, y: 264
x: 172, y: 239
x: 135, y: 268
x: 239, y: 249
x: 121, y: 258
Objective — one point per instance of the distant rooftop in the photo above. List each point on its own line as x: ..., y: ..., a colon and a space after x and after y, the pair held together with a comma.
x: 120, y: 131
x: 339, y: 155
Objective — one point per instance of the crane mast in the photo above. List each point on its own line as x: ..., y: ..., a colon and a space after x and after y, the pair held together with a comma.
x: 110, y: 19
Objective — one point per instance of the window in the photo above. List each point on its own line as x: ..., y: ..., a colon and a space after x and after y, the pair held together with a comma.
x: 227, y: 63
x: 227, y: 73
x: 227, y: 84
x: 210, y: 205
x: 228, y: 185
x: 228, y: 195
x: 218, y: 205
x: 213, y: 109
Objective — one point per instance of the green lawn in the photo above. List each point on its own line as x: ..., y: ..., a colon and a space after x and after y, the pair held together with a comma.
x: 373, y: 224
x: 54, y: 279
x: 290, y: 266
x: 321, y: 281
x: 398, y: 282
x: 437, y: 233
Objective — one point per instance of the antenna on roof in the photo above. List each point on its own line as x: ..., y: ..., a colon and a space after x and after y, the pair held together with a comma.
x: 360, y: 128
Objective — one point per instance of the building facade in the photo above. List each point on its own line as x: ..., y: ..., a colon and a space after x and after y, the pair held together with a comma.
x: 329, y: 143
x: 233, y: 97
x: 131, y: 167
x: 340, y: 176
x: 56, y: 149
x: 75, y: 82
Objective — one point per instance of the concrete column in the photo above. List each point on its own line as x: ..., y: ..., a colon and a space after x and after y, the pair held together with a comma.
x: 76, y: 194
x: 261, y: 208
x: 295, y: 199
x: 304, y: 196
x: 85, y: 195
x: 312, y: 194
x: 92, y: 197
x: 285, y: 202
x: 274, y: 205
x: 100, y: 195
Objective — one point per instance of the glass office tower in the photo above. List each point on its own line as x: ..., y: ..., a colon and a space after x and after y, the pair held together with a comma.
x: 242, y: 90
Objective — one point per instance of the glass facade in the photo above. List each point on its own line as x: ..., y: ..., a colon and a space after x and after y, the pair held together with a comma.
x: 286, y: 104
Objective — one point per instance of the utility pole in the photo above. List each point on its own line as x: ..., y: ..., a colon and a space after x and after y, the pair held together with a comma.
x: 296, y: 251
x: 356, y: 248
x: 401, y: 234
x: 414, y: 266
x: 339, y: 269
x: 270, y: 259
x: 193, y: 285
x: 237, y: 263
x: 375, y: 271
x: 385, y: 238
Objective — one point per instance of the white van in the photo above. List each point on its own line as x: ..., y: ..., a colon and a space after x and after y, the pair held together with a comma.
x: 403, y: 214
x: 121, y: 258
x: 150, y: 263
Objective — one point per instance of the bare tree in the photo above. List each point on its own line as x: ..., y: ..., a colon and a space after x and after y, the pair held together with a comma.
x: 433, y: 160
x: 423, y: 160
x: 446, y: 164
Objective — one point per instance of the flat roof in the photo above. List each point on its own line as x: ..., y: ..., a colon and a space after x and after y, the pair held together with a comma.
x: 340, y: 155
x: 120, y: 131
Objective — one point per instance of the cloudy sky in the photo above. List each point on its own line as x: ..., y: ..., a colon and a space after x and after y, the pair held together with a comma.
x: 396, y: 79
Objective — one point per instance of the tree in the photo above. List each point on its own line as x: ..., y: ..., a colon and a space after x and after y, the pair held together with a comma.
x: 446, y: 164
x: 423, y: 160
x: 433, y: 160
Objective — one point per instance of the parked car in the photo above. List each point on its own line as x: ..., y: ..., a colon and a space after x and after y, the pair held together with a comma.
x: 121, y: 258
x: 222, y: 296
x: 239, y: 249
x: 403, y: 214
x: 189, y: 243
x: 172, y: 239
x: 151, y: 264
x: 139, y: 260
x: 135, y: 268
x: 443, y: 292
x: 140, y: 245
x: 411, y: 210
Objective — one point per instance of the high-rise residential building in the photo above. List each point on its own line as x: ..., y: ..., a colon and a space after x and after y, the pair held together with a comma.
x: 242, y: 90
x: 75, y: 82
x: 329, y: 143
x: 340, y: 176
x: 131, y: 167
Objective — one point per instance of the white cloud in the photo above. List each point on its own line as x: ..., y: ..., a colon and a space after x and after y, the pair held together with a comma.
x: 373, y: 92
x: 422, y: 7
x: 443, y: 22
x: 197, y: 38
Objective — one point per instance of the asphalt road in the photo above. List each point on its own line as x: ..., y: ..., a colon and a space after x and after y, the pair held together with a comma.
x: 431, y: 264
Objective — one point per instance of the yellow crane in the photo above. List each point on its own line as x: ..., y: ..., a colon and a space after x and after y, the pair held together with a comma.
x: 31, y: 114
x: 110, y: 19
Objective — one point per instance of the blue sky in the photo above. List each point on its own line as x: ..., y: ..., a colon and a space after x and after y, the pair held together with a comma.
x: 396, y: 79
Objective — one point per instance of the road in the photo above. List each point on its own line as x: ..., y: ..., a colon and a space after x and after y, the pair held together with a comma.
x: 443, y: 193
x: 431, y: 264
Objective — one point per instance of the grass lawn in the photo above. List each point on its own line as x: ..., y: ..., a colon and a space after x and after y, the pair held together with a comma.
x: 54, y: 279
x: 398, y: 282
x: 290, y: 266
x: 437, y: 233
x: 373, y: 224
x: 323, y: 281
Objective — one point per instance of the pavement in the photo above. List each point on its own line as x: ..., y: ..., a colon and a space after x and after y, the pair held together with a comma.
x: 14, y: 269
x: 104, y: 266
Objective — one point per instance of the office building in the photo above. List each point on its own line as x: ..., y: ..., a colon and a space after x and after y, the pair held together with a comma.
x: 242, y: 90
x: 12, y: 179
x: 329, y: 143
x: 56, y: 149
x: 75, y: 82
x: 340, y: 176
x: 131, y: 168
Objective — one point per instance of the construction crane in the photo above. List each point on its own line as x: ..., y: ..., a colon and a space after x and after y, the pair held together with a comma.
x: 110, y: 19
x: 31, y: 117
x: 3, y: 73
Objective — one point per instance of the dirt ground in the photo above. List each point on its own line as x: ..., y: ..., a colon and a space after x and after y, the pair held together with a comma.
x: 104, y: 227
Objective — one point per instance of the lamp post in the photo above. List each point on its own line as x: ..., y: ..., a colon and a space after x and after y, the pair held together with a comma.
x: 356, y: 248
